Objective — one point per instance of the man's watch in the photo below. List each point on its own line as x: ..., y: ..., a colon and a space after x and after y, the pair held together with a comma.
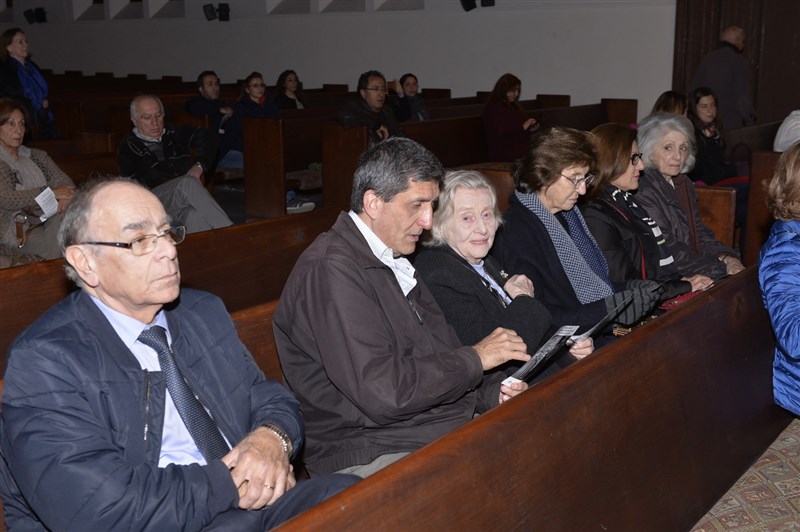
x: 279, y: 432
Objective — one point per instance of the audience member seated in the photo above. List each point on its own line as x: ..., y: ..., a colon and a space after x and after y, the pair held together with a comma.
x: 508, y: 130
x: 171, y: 160
x: 255, y: 102
x: 407, y: 104
x: 219, y: 113
x: 632, y: 243
x: 474, y: 292
x: 545, y: 238
x: 671, y: 102
x: 788, y: 132
x: 133, y: 403
x: 709, y: 166
x: 779, y: 277
x: 28, y: 180
x: 289, y: 91
x: 362, y: 342
x: 370, y: 110
x: 668, y: 195
x: 21, y: 79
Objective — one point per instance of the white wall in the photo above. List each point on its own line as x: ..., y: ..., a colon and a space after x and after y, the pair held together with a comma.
x: 588, y: 49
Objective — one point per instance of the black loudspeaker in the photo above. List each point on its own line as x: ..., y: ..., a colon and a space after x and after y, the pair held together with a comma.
x: 224, y: 12
x: 30, y: 16
x: 210, y: 11
x: 487, y: 3
x: 40, y: 14
x: 468, y: 5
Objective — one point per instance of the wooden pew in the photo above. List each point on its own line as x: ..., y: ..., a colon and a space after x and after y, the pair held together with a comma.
x: 759, y: 220
x: 645, y: 434
x: 741, y: 142
x: 251, y: 262
x: 717, y: 206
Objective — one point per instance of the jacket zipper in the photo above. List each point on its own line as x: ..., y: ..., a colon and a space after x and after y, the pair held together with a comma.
x: 146, y: 403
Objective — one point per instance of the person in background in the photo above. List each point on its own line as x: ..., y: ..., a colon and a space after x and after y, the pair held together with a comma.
x: 473, y: 290
x: 727, y: 72
x: 508, y: 129
x: 788, y: 132
x: 406, y: 102
x: 779, y: 277
x: 20, y: 78
x: 289, y: 91
x: 132, y: 403
x: 671, y: 102
x: 631, y: 242
x: 709, y: 166
x: 26, y: 174
x: 370, y: 109
x: 218, y: 114
x: 667, y: 142
x: 545, y: 238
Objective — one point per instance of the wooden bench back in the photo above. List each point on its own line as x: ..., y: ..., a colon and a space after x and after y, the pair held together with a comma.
x: 717, y: 206
x: 741, y: 142
x: 645, y: 434
x: 759, y: 219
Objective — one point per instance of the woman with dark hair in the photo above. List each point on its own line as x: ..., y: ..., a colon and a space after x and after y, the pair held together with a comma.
x: 667, y: 143
x: 709, y: 166
x: 255, y: 102
x: 28, y: 180
x: 471, y: 288
x: 671, y: 102
x: 21, y: 79
x: 545, y: 238
x: 508, y: 130
x: 779, y: 277
x: 632, y: 243
x: 289, y: 91
x: 407, y: 104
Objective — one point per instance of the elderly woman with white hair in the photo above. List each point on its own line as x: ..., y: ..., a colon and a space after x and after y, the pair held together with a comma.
x: 668, y: 195
x: 471, y: 288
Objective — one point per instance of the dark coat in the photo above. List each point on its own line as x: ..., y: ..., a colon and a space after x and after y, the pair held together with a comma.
x: 505, y: 138
x: 357, y: 113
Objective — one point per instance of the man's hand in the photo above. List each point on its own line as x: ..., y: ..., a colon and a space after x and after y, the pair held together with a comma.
x: 582, y: 349
x: 260, y: 469
x: 382, y: 132
x: 501, y: 346
x: 195, y: 171
x: 518, y: 285
x: 514, y: 389
x: 227, y: 110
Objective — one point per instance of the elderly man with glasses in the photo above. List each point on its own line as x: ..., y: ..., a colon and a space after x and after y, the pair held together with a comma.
x: 132, y: 404
x: 370, y: 110
x: 170, y: 161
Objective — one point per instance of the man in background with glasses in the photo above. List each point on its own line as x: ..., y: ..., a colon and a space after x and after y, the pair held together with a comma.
x: 133, y: 404
x: 161, y: 158
x: 370, y: 109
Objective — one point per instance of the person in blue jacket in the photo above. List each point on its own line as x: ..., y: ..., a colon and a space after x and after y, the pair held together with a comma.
x: 779, y: 277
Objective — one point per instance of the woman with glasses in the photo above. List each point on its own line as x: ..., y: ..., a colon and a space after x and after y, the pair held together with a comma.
x: 471, y: 288
x: 25, y: 175
x: 255, y: 102
x: 508, y: 130
x: 665, y: 191
x: 545, y: 238
x: 632, y: 243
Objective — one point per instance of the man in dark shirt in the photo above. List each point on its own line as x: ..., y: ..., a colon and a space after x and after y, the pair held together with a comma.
x: 161, y: 158
x: 219, y: 114
x: 370, y: 110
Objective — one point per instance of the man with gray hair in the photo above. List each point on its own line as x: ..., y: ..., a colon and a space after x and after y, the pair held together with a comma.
x: 378, y: 370
x: 727, y: 73
x: 161, y: 158
x: 132, y: 404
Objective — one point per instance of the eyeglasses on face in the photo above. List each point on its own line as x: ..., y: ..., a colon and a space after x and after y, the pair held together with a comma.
x: 635, y: 158
x: 587, y: 180
x: 377, y: 89
x: 147, y: 243
x: 257, y: 85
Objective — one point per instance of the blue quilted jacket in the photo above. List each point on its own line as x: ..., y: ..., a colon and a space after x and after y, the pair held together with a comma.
x: 779, y: 277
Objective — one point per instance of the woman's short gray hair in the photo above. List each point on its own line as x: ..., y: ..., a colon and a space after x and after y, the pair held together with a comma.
x: 655, y: 127
x: 454, y: 180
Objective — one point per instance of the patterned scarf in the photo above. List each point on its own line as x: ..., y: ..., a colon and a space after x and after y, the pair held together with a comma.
x: 580, y: 256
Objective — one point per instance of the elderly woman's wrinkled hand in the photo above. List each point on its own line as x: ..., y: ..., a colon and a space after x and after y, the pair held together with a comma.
x: 582, y: 349
x: 518, y: 285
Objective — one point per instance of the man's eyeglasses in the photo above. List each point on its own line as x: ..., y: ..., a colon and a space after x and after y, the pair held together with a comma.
x: 635, y: 158
x: 377, y: 89
x: 587, y: 180
x: 147, y: 243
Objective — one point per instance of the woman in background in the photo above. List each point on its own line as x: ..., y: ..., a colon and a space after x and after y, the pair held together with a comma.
x: 709, y: 166
x: 407, y: 104
x: 471, y: 288
x: 20, y: 78
x: 631, y: 242
x: 289, y: 91
x: 779, y: 277
x: 508, y: 130
x: 26, y: 173
x: 671, y: 102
